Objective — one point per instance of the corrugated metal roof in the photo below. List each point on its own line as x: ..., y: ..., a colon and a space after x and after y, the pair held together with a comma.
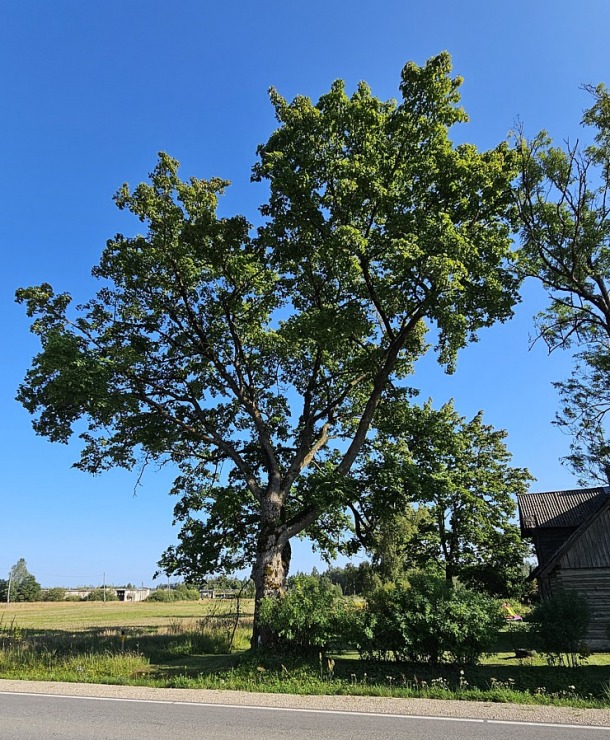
x: 560, y: 508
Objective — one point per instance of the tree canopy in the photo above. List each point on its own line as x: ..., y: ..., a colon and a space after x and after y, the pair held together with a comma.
x: 21, y: 584
x: 438, y: 490
x: 251, y: 358
x: 564, y: 206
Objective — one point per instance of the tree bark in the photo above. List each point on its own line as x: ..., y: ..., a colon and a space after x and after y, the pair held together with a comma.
x: 270, y: 568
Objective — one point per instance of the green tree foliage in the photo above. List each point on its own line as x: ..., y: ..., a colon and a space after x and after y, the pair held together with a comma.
x: 102, y: 594
x: 161, y: 594
x: 423, y: 620
x: 181, y: 592
x: 564, y: 206
x: 54, y: 594
x: 184, y: 592
x: 437, y: 488
x: 225, y: 582
x: 21, y: 584
x: 353, y: 580
x: 563, y: 621
x: 242, y: 357
x: 309, y: 617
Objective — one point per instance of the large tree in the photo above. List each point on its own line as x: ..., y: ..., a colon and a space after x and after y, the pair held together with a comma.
x: 247, y: 358
x: 437, y: 489
x: 564, y: 205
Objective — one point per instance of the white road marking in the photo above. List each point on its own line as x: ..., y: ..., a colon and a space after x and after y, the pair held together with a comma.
x: 303, y: 710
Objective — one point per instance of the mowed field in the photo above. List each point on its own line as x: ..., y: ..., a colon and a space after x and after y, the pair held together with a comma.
x: 78, y: 616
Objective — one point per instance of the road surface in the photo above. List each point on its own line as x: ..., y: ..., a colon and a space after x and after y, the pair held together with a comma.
x: 61, y: 713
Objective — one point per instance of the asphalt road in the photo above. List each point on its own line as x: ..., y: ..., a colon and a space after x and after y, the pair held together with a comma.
x: 29, y: 716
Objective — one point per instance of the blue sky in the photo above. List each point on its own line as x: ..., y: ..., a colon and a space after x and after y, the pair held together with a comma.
x: 90, y: 93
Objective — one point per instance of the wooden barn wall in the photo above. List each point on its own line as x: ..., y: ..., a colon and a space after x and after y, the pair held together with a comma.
x: 592, y: 549
x: 594, y: 583
x: 548, y: 541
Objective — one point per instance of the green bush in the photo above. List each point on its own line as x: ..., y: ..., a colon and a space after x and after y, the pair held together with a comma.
x: 426, y: 621
x: 54, y: 594
x: 101, y: 594
x: 310, y: 616
x: 182, y: 592
x: 161, y: 594
x: 562, y: 622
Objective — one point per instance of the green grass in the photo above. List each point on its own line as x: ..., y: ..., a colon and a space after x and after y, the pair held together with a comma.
x: 187, y: 644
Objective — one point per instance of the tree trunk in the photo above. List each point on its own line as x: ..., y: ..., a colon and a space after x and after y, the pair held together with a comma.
x: 270, y: 569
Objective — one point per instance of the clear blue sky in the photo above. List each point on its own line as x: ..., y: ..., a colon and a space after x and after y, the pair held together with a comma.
x: 91, y: 91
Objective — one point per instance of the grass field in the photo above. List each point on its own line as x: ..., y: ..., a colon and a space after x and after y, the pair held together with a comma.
x: 205, y: 645
x: 66, y: 615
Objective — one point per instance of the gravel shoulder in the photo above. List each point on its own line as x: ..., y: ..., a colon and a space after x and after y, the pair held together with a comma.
x: 419, y: 707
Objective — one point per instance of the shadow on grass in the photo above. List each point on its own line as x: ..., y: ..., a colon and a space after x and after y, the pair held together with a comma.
x: 202, y: 656
x: 587, y: 684
x: 172, y: 649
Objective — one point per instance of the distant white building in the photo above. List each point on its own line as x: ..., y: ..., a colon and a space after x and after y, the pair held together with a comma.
x: 211, y: 593
x: 123, y: 594
x: 132, y: 594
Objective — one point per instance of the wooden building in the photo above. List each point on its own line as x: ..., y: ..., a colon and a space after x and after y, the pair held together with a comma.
x: 571, y: 535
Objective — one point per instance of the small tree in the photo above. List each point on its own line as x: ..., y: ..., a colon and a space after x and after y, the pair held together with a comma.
x: 563, y: 622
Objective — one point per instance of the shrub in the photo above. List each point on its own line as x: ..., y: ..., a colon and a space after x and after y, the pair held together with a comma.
x: 182, y: 592
x: 98, y: 595
x: 54, y: 594
x: 310, y: 615
x: 186, y: 593
x: 426, y: 621
x: 563, y: 621
x: 161, y: 594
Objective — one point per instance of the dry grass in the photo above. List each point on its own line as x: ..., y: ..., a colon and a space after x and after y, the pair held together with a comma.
x: 120, y: 642
x: 77, y: 616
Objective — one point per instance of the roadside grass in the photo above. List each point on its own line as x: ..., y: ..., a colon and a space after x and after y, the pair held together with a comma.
x: 199, y: 645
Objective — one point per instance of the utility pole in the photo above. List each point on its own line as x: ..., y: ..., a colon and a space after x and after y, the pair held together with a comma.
x: 104, y: 587
x: 8, y: 590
